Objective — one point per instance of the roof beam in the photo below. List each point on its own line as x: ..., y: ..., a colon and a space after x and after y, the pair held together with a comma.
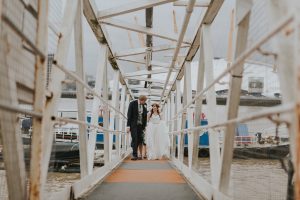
x: 138, y: 51
x: 208, y: 18
x: 132, y: 60
x: 153, y: 62
x: 163, y: 64
x: 187, y: 16
x: 145, y: 72
x: 147, y: 79
x: 140, y: 29
x: 147, y: 90
x: 89, y: 13
x: 147, y: 93
x: 130, y: 7
x: 199, y: 3
x: 149, y: 40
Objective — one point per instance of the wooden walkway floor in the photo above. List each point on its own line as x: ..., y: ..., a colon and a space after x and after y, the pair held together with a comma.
x: 144, y: 180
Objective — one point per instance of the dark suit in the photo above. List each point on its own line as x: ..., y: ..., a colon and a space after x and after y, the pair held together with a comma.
x: 135, y: 129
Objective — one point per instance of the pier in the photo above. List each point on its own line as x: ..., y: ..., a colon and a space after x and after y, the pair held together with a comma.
x: 225, y: 74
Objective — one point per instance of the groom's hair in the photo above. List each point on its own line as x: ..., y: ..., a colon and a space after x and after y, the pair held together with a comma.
x: 142, y: 98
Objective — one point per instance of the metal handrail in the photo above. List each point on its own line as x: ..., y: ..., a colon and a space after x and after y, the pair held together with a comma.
x: 79, y: 80
x: 283, y: 23
x: 265, y: 113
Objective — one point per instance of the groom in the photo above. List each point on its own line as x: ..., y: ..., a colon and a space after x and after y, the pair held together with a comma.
x: 136, y: 123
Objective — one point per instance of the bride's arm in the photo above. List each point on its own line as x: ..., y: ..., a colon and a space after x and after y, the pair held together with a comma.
x: 161, y: 116
x: 148, y: 116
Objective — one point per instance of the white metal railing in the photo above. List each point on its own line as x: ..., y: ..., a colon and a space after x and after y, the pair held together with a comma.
x: 44, y: 108
x: 202, y: 185
x: 273, y: 31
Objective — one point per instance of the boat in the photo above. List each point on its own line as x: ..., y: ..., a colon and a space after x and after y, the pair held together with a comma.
x: 247, y: 146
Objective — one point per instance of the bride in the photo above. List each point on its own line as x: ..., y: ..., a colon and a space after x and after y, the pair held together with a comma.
x: 157, y: 138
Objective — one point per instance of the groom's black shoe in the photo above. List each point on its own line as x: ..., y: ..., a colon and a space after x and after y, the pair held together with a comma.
x: 134, y: 158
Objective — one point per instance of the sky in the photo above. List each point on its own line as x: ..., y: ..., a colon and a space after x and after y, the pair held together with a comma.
x: 164, y: 23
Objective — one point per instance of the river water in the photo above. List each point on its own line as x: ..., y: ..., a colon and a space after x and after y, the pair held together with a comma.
x: 251, y: 179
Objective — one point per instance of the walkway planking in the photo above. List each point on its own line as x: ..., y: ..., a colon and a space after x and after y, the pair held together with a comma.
x: 144, y: 180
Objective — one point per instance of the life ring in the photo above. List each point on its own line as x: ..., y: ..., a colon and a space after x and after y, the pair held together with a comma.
x: 203, y: 153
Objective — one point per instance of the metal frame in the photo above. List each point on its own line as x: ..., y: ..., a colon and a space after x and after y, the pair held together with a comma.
x: 44, y: 105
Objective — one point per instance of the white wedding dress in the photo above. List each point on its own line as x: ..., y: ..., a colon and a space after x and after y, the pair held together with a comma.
x: 157, y: 138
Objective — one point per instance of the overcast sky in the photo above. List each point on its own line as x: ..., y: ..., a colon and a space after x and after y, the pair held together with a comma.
x: 163, y: 22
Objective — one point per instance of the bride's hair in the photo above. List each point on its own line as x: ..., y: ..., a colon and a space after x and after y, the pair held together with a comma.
x: 157, y: 106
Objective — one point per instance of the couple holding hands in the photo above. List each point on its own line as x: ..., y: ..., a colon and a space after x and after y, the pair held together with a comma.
x: 148, y: 131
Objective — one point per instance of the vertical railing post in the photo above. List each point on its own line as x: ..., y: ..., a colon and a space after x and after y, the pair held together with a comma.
x: 296, y: 10
x: 198, y: 106
x: 99, y: 84
x: 114, y: 115
x: 39, y: 102
x: 190, y: 121
x: 172, y: 124
x: 285, y: 46
x: 127, y: 136
x: 80, y: 91
x: 121, y: 122
x: 169, y: 116
x: 178, y: 121
x: 106, y: 119
x: 243, y: 10
x: 39, y: 169
x: 214, y: 146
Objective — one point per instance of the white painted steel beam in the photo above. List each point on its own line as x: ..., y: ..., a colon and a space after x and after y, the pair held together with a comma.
x: 106, y: 122
x: 153, y: 63
x: 178, y: 119
x: 199, y: 3
x: 89, y: 10
x: 145, y: 72
x: 295, y: 7
x: 286, y: 48
x: 139, y: 51
x: 113, y: 122
x: 198, y: 105
x: 122, y: 125
x: 39, y: 105
x: 147, y: 79
x: 99, y: 84
x: 55, y: 88
x: 13, y: 154
x: 130, y: 7
x: 184, y: 116
x: 189, y: 11
x: 214, y: 145
x: 127, y: 136
x: 140, y: 29
x: 80, y: 91
x: 172, y: 126
x: 207, y: 18
x: 190, y: 121
x: 234, y: 94
x: 273, y: 31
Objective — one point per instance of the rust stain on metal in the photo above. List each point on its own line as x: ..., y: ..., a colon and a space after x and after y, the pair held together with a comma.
x: 297, y: 169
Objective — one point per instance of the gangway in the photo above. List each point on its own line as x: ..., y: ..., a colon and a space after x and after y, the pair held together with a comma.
x: 38, y: 38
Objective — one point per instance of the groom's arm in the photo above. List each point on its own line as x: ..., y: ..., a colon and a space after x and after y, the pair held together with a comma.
x: 129, y: 114
x: 145, y: 119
